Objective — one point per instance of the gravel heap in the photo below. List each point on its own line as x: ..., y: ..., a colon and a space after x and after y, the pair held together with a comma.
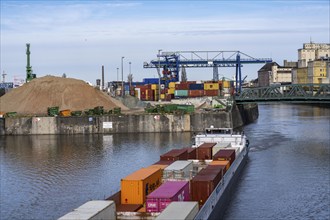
x: 35, y: 97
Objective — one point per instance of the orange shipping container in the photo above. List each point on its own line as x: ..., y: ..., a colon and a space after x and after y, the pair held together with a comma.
x: 136, y: 186
x: 221, y: 162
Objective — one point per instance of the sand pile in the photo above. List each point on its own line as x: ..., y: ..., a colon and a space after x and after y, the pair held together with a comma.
x: 39, y: 94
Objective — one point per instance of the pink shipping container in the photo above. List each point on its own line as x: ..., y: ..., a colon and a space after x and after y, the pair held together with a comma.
x: 168, y: 192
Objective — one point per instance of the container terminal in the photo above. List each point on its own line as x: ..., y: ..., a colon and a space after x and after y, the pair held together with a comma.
x: 54, y: 105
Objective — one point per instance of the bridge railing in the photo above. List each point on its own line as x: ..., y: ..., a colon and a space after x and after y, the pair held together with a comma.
x: 292, y: 92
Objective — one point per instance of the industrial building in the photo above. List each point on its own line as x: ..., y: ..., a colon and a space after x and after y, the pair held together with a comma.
x: 273, y: 73
x: 312, y: 67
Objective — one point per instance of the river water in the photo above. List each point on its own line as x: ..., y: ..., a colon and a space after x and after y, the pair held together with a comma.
x: 287, y: 176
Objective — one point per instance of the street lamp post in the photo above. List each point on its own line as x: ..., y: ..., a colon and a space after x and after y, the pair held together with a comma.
x: 117, y: 74
x: 122, y: 77
x: 160, y: 74
x: 130, y: 74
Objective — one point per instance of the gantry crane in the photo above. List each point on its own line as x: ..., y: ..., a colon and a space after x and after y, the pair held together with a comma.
x: 171, y: 62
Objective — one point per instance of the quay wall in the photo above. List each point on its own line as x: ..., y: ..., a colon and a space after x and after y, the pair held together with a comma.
x: 128, y: 123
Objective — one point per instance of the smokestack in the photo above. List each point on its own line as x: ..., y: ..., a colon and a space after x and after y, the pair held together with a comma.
x: 102, y: 77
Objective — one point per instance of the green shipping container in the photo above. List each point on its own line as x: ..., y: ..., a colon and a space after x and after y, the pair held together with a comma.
x: 181, y: 93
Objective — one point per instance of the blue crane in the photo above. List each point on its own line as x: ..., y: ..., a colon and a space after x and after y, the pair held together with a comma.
x: 171, y: 62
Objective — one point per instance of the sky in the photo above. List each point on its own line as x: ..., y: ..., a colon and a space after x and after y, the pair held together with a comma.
x: 78, y: 37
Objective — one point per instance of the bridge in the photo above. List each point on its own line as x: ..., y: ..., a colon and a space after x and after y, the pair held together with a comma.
x: 293, y: 93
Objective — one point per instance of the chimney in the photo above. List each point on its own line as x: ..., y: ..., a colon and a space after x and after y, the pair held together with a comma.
x: 102, y: 78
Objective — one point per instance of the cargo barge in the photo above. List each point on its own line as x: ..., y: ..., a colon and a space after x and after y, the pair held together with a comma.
x: 188, y: 183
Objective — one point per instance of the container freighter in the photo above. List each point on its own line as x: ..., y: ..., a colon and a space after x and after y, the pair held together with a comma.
x: 187, y: 183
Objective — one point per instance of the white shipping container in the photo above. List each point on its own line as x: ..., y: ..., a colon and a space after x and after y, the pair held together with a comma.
x: 178, y: 169
x: 138, y: 91
x: 93, y: 210
x: 179, y: 211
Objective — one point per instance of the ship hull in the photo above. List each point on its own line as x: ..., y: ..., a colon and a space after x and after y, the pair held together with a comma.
x: 222, y: 204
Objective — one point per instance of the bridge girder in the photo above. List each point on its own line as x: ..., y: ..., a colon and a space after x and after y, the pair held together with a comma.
x: 286, y: 93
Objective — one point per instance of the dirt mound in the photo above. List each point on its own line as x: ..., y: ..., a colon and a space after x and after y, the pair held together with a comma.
x: 39, y: 94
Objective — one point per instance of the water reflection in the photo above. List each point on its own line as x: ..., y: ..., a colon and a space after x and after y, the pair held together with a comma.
x: 45, y: 176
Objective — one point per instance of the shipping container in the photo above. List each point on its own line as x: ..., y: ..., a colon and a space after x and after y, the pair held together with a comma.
x: 204, y: 151
x: 181, y: 93
x: 160, y: 166
x: 168, y: 192
x: 219, y: 146
x: 169, y: 97
x: 164, y: 162
x: 211, y: 92
x: 136, y: 186
x: 224, y: 163
x: 197, y: 86
x: 171, y: 85
x: 175, y: 154
x: 203, y: 184
x: 171, y: 91
x: 211, y: 86
x: 154, y: 86
x: 179, y: 169
x: 225, y: 84
x: 196, y: 93
x: 96, y: 209
x: 151, y: 80
x: 128, y: 207
x: 182, y: 86
x: 179, y: 211
x: 192, y: 155
x: 225, y: 154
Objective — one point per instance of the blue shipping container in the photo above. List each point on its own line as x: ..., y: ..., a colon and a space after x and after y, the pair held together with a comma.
x: 197, y: 86
x: 150, y: 80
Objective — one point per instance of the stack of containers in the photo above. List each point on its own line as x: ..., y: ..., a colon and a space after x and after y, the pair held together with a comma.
x: 211, y: 89
x: 168, y: 192
x: 203, y: 184
x: 171, y: 88
x: 175, y: 154
x: 142, y: 91
x: 179, y: 169
x: 226, y: 87
x: 204, y: 151
x: 154, y: 91
x: 181, y: 90
x: 225, y: 154
x: 136, y: 186
x: 196, y: 90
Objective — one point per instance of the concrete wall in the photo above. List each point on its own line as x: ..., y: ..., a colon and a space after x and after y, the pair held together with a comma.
x: 239, y: 116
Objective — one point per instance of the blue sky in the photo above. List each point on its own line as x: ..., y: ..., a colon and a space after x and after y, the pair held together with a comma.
x: 78, y: 37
